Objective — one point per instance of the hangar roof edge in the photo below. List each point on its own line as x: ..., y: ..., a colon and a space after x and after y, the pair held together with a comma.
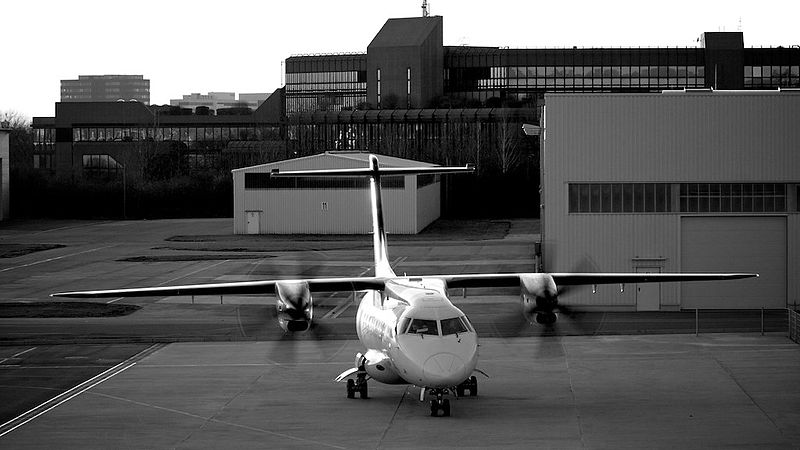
x: 349, y: 158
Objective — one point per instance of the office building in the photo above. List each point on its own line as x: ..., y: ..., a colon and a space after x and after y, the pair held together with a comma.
x: 106, y: 88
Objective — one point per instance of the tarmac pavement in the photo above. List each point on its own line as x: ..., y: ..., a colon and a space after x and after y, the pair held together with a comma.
x: 655, y: 391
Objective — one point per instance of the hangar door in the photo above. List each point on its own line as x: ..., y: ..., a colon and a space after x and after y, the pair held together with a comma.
x: 734, y: 244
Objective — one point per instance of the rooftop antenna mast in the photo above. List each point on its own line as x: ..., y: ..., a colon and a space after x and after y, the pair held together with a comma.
x: 424, y: 8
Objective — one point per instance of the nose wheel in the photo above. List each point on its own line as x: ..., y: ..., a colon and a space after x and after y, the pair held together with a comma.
x: 440, y: 404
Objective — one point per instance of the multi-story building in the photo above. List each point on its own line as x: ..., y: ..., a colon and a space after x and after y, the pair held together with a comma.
x: 102, y: 139
x: 106, y: 88
x: 215, y: 101
x: 410, y: 96
x: 406, y: 66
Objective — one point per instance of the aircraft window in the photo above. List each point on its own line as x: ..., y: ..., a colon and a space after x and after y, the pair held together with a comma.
x: 401, y: 328
x: 422, y: 326
x: 467, y: 324
x: 453, y: 326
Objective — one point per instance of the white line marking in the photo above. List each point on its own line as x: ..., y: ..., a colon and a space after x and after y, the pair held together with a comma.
x: 194, y: 272
x: 68, y: 227
x: 64, y: 397
x: 223, y: 422
x: 339, y: 309
x: 57, y: 258
x: 114, y: 300
x: 17, y: 354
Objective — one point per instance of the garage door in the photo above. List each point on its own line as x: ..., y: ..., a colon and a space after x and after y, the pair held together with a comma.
x: 734, y: 244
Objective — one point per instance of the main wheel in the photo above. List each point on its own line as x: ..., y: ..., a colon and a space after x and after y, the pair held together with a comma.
x: 362, y: 390
x: 473, y: 386
x: 351, y: 388
x: 446, y: 407
x: 434, y: 408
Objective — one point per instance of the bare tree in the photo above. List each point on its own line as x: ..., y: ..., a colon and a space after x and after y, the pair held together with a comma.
x: 16, y: 120
x: 506, y: 148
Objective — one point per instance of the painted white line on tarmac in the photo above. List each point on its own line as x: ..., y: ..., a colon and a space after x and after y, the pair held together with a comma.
x: 57, y: 258
x: 17, y: 354
x: 194, y: 272
x: 339, y: 309
x: 64, y: 397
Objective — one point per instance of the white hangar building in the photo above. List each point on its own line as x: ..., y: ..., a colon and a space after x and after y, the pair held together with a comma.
x: 682, y: 181
x: 264, y: 205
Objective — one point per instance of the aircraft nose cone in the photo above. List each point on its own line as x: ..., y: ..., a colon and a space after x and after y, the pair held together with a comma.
x: 445, y: 367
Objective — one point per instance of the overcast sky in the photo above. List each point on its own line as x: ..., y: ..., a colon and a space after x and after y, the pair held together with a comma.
x: 239, y: 45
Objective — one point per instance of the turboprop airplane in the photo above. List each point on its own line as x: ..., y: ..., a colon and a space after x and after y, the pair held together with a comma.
x: 411, y: 331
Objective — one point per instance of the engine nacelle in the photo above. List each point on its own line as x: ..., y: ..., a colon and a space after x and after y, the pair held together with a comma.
x: 294, y: 305
x: 379, y: 366
x: 539, y: 296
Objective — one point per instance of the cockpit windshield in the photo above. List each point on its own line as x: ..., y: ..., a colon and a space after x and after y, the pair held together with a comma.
x: 423, y: 326
x: 428, y: 326
x: 453, y: 326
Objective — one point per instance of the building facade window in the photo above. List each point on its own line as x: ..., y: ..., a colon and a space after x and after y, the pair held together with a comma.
x: 101, y: 166
x: 408, y: 87
x: 378, y: 99
x: 732, y: 197
x: 757, y: 77
x: 44, y: 147
x: 620, y: 198
x: 326, y: 91
x: 255, y: 180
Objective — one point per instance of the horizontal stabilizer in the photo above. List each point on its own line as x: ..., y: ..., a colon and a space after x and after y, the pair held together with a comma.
x: 365, y: 171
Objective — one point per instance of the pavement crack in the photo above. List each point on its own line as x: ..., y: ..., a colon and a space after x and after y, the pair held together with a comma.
x: 391, y: 421
x: 729, y: 372
x: 572, y: 393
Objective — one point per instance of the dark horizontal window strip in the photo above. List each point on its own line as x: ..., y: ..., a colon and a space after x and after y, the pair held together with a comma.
x: 620, y: 197
x: 265, y: 181
x: 732, y: 197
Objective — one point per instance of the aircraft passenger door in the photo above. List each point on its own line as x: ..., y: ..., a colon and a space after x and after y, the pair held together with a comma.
x: 648, y: 295
x: 253, y: 222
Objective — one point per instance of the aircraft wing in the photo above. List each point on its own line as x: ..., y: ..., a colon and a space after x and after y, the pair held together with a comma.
x: 378, y: 283
x: 235, y: 288
x: 571, y: 279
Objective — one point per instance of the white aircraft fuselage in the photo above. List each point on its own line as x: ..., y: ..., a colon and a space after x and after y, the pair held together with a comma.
x: 414, y: 334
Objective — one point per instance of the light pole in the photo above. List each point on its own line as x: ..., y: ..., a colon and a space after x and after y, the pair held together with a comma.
x: 124, y: 193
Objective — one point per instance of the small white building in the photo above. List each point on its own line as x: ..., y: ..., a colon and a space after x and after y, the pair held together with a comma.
x: 674, y: 182
x: 264, y: 205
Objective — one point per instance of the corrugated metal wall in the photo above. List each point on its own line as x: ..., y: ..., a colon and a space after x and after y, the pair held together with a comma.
x: 345, y: 211
x: 428, y: 205
x: 669, y: 137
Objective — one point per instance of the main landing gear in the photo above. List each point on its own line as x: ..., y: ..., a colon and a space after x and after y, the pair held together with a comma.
x: 441, y: 404
x: 470, y: 384
x: 359, y: 384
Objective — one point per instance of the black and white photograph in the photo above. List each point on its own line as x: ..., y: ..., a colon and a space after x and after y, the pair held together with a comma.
x: 395, y: 225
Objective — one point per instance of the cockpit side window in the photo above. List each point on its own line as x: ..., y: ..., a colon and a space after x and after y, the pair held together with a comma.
x: 403, y: 325
x: 453, y: 326
x: 423, y: 326
x: 466, y: 323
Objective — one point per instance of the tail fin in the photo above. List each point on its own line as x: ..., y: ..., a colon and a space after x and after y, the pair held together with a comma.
x: 374, y: 173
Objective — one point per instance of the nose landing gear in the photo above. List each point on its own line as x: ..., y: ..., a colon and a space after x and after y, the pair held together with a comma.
x: 439, y: 403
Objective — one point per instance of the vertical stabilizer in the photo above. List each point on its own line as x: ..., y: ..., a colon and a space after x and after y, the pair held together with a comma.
x: 382, y: 267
